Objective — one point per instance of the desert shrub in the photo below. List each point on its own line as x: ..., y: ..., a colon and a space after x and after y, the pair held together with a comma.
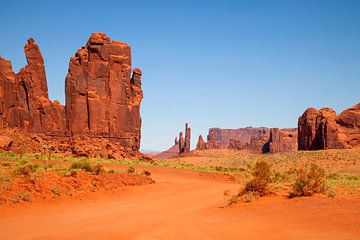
x: 56, y: 191
x: 5, y: 164
x: 257, y: 186
x: 279, y: 176
x: 11, y: 154
x: 261, y: 178
x: 310, y: 179
x: 25, y: 196
x: 131, y: 170
x: 37, y: 166
x: 98, y: 168
x: 73, y: 173
x: 84, y: 165
x: 49, y: 165
x: 25, y: 170
x: 110, y: 170
x: 146, y: 173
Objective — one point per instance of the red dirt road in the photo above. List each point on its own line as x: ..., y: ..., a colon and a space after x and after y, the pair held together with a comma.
x: 182, y: 204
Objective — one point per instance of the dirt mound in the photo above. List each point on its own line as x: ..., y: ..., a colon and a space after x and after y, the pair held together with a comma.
x: 52, y: 185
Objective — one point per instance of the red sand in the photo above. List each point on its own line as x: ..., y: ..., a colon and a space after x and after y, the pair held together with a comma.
x: 183, y: 204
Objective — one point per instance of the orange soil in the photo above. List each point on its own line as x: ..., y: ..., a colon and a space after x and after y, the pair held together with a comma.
x: 51, y: 185
x: 183, y: 204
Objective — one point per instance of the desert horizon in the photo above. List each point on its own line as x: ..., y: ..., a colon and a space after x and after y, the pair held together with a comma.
x: 180, y: 120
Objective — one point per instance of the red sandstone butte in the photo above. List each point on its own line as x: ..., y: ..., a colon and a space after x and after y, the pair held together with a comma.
x: 25, y: 102
x: 323, y: 129
x: 103, y: 96
x: 103, y: 92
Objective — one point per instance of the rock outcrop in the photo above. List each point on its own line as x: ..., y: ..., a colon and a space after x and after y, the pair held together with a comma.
x: 281, y: 140
x: 323, y: 129
x: 256, y: 144
x: 201, y: 145
x: 181, y: 143
x: 25, y: 100
x: 223, y: 136
x: 103, y: 97
x: 212, y: 140
x: 184, y: 144
x: 103, y: 93
x: 255, y: 140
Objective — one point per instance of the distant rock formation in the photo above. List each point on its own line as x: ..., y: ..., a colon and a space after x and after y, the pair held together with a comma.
x: 201, y: 145
x: 282, y: 140
x: 212, y: 140
x: 256, y: 144
x: 184, y: 145
x: 256, y: 140
x: 223, y: 136
x: 103, y: 97
x: 323, y: 129
x: 181, y: 146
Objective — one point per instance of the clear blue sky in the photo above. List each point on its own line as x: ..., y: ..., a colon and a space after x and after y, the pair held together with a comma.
x: 225, y: 64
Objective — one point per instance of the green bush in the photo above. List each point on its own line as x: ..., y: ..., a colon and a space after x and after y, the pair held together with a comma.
x: 98, y: 168
x: 261, y: 179
x: 257, y: 186
x: 84, y: 165
x: 25, y: 170
x: 131, y: 170
x: 310, y: 179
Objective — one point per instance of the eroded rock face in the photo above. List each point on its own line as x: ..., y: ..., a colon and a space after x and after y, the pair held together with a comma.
x: 256, y: 144
x: 184, y: 143
x: 323, y: 129
x: 103, y: 96
x: 103, y: 92
x: 187, y: 139
x: 282, y: 140
x: 244, y: 135
x: 25, y: 101
x: 201, y: 145
x: 181, y: 143
x: 212, y: 140
x: 8, y: 95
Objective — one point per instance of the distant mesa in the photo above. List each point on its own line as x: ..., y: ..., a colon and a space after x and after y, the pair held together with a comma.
x: 255, y: 140
x: 317, y: 130
x: 103, y: 97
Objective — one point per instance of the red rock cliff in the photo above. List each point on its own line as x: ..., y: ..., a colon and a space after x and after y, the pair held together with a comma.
x: 25, y: 101
x: 103, y: 92
x: 323, y: 129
